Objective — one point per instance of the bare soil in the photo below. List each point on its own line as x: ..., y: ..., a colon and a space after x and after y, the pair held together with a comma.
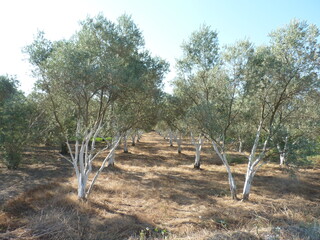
x: 155, y: 193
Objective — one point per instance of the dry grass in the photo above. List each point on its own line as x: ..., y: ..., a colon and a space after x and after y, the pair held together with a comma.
x: 155, y: 189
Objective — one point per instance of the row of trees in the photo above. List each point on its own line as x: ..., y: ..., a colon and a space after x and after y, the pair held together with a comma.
x: 102, y: 82
x: 260, y: 97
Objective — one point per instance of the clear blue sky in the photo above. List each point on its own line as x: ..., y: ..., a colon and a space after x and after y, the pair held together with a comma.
x: 164, y: 23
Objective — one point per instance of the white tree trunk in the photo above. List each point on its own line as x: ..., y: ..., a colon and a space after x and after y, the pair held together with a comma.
x: 282, y: 159
x: 171, y: 138
x: 109, y: 156
x: 83, y: 155
x: 223, y: 157
x: 82, y: 183
x: 133, y: 138
x: 198, y: 146
x: 240, y: 145
x: 253, y: 163
x: 139, y: 135
x: 179, y: 142
x: 283, y: 152
x: 193, y: 142
x: 112, y: 159
x: 248, y: 182
x: 125, y: 143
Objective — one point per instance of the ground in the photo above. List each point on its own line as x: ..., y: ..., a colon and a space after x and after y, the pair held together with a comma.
x: 153, y: 192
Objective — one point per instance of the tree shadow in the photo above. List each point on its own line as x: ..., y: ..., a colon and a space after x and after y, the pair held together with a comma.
x: 29, y: 176
x: 286, y: 185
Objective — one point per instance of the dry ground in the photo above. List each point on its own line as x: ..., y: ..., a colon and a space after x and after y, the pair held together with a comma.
x: 154, y: 193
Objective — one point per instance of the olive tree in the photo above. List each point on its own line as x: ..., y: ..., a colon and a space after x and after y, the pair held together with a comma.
x: 85, y: 77
x: 280, y: 73
x: 210, y: 91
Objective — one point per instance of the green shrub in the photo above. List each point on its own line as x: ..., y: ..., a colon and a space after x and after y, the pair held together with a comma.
x: 11, y: 156
x: 237, y: 159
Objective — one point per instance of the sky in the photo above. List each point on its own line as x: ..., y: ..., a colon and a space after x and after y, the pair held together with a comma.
x: 165, y: 24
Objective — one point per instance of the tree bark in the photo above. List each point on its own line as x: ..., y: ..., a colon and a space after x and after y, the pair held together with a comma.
x: 125, y: 144
x: 247, y: 183
x: 109, y: 156
x: 112, y: 159
x: 179, y: 142
x: 198, y: 146
x: 64, y: 148
x: 82, y: 182
x: 193, y: 142
x: 133, y: 138
x: 171, y: 138
x: 253, y: 163
x: 139, y: 135
x: 223, y: 158
x: 283, y: 152
x: 240, y: 145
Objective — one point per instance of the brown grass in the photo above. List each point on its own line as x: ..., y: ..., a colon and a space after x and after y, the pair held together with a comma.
x: 154, y: 187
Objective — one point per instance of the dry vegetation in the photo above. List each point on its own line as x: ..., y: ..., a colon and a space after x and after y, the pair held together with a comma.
x: 154, y: 193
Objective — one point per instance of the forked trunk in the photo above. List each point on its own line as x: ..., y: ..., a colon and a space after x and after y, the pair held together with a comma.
x: 254, y: 163
x: 107, y: 159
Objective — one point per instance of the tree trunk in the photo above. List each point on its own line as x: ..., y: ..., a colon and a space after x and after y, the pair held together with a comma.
x: 232, y: 183
x: 133, y: 137
x: 171, y: 138
x: 240, y: 145
x: 223, y: 157
x: 193, y: 142
x: 112, y: 159
x: 125, y: 144
x: 253, y: 163
x: 139, y: 135
x: 247, y: 184
x: 82, y: 182
x: 109, y: 156
x: 64, y: 148
x: 179, y: 142
x: 283, y: 152
x: 282, y: 158
x: 197, y: 160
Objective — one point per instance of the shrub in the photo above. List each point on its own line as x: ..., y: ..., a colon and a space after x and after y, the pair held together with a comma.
x: 11, y: 157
